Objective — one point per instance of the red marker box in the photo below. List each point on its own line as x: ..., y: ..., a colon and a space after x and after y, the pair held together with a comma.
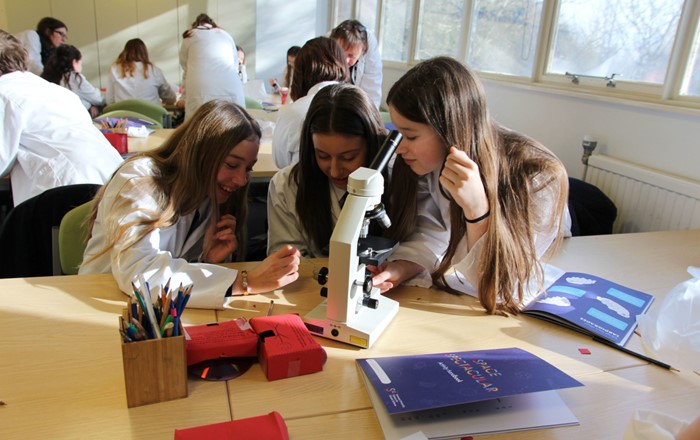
x: 286, y: 348
x: 233, y: 338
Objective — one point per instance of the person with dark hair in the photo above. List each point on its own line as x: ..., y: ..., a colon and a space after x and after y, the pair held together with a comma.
x: 64, y: 67
x: 134, y: 76
x: 288, y: 73
x: 320, y: 63
x: 175, y: 212
x: 242, y: 72
x: 474, y: 196
x: 363, y: 57
x: 288, y: 70
x: 40, y: 43
x: 209, y: 61
x: 343, y: 131
x: 48, y: 139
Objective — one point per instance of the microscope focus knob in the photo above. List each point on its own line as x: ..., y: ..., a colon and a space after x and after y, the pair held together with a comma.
x: 372, y: 303
x: 324, y: 292
x: 321, y: 276
x: 367, y: 285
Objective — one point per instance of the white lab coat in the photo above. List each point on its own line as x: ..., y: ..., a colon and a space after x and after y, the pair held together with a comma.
x: 89, y: 95
x: 165, y: 253
x: 153, y: 89
x: 209, y: 61
x: 48, y: 139
x: 287, y: 133
x: 32, y: 43
x: 284, y: 226
x: 427, y: 245
x: 367, y: 72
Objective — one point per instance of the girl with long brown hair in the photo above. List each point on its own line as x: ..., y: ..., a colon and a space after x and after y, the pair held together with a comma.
x: 476, y: 196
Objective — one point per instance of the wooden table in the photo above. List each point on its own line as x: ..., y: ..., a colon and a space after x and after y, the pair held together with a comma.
x: 432, y: 321
x: 61, y: 370
x: 265, y: 166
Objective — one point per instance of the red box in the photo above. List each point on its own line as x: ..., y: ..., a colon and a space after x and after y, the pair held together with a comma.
x: 286, y: 348
x: 118, y: 140
x: 270, y: 427
x: 233, y: 338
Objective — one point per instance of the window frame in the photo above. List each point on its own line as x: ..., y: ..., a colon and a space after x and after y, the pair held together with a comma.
x: 666, y: 94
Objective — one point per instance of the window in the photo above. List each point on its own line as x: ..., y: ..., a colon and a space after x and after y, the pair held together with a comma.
x: 631, y: 38
x: 691, y: 83
x: 651, y: 46
x: 368, y: 14
x: 397, y: 19
x: 440, y: 28
x: 503, y: 36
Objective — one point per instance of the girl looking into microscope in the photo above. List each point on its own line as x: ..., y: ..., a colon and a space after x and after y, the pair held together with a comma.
x: 342, y: 131
x: 475, y: 195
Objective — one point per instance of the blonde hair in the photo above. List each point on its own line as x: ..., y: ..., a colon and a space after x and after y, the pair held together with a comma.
x: 186, y: 168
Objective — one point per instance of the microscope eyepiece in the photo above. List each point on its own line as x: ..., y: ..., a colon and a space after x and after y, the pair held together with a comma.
x: 386, y: 150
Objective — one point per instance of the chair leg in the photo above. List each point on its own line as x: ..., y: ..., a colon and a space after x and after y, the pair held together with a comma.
x: 55, y: 254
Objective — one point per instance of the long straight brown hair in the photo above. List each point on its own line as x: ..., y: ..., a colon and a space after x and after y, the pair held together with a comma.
x: 447, y: 96
x: 336, y: 109
x: 135, y: 50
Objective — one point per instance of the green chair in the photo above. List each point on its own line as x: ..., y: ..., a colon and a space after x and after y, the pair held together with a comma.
x: 148, y: 108
x: 130, y: 114
x: 385, y: 116
x: 72, y: 238
x: 251, y: 103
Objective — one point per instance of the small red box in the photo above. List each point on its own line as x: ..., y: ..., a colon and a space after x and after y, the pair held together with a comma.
x: 118, y: 140
x: 286, y: 348
x: 233, y: 338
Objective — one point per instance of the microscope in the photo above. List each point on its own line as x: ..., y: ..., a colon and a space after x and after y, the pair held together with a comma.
x: 354, y: 311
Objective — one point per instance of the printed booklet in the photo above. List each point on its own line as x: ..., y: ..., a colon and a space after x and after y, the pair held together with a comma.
x: 452, y: 394
x: 591, y: 305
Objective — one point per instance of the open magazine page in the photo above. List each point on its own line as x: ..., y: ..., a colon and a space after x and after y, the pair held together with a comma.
x: 460, y: 283
x: 591, y: 305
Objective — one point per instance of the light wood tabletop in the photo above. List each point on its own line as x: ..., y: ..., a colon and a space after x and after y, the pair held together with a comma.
x: 431, y: 321
x: 61, y: 366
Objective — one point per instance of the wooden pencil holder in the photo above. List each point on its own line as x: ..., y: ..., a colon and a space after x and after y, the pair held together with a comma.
x: 155, y: 370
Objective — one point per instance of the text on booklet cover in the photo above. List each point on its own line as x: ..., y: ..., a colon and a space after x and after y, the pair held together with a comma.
x: 418, y: 382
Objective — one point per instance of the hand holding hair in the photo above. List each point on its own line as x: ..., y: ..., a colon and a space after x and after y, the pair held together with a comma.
x: 461, y: 179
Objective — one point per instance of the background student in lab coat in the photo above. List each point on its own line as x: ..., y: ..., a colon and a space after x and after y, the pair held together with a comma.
x: 319, y: 63
x: 48, y: 139
x: 343, y: 131
x: 497, y: 196
x: 134, y: 76
x: 209, y: 61
x: 65, y: 67
x: 40, y: 43
x: 171, y: 213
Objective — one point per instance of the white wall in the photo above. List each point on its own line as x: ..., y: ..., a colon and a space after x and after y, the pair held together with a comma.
x: 665, y: 139
x: 282, y: 24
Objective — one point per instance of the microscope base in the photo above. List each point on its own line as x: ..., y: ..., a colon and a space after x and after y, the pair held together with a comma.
x: 364, y: 328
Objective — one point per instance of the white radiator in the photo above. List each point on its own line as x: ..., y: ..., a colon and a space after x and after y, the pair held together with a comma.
x: 646, y: 199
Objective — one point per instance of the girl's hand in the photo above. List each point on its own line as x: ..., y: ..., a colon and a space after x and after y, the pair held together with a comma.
x: 461, y: 178
x: 275, y: 271
x: 220, y: 240
x: 393, y: 273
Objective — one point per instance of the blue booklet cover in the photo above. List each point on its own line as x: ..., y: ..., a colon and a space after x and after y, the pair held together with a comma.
x: 420, y: 382
x: 591, y: 305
